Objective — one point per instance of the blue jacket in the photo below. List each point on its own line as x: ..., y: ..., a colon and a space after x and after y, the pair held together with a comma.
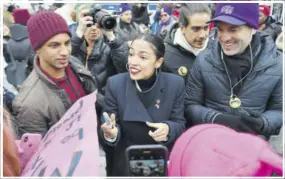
x: 208, y: 88
x: 122, y: 98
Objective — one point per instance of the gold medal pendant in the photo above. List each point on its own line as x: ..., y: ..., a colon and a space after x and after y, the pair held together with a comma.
x: 182, y: 71
x: 235, y: 102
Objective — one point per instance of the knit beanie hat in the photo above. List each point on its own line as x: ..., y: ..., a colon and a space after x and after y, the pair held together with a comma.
x: 21, y: 16
x: 264, y: 9
x: 166, y: 9
x: 44, y: 25
x: 238, y: 14
x: 124, y: 7
x: 216, y: 150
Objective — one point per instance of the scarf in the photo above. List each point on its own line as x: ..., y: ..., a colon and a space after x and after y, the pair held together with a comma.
x: 179, y: 39
x: 166, y: 23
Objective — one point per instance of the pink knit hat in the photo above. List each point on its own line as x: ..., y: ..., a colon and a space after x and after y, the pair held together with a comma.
x: 21, y: 16
x: 44, y: 25
x: 215, y: 150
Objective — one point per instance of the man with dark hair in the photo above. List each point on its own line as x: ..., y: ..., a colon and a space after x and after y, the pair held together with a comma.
x: 187, y: 39
x: 237, y: 82
x: 57, y: 80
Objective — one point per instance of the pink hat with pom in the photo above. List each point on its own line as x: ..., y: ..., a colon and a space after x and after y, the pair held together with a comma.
x: 215, y: 150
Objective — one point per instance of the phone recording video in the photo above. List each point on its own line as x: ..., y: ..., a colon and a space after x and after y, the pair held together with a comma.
x: 148, y: 160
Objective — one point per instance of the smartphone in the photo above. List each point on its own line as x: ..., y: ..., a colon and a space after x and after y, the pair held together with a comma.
x: 147, y: 160
x: 107, y: 119
x: 27, y: 146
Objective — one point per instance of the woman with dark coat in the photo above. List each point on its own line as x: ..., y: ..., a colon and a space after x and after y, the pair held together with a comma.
x: 145, y: 106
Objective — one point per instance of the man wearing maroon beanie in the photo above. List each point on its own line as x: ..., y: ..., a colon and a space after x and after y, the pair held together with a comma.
x: 57, y: 80
x: 267, y: 23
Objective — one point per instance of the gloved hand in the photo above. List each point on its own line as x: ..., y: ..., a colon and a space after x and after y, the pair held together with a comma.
x: 234, y: 122
x: 253, y: 120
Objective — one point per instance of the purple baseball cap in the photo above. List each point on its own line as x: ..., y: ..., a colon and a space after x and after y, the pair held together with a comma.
x: 238, y: 14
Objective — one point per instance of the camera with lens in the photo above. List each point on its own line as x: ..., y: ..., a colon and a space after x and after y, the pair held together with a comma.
x: 103, y: 19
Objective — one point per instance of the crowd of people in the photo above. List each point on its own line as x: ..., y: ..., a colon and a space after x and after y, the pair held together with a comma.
x: 195, y: 64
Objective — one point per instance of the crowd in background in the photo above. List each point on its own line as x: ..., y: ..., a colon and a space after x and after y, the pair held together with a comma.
x: 99, y: 55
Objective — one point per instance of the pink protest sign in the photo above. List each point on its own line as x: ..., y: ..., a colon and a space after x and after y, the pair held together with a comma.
x: 70, y: 147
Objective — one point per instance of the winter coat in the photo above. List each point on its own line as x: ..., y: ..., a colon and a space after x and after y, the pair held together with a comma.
x: 140, y: 15
x: 123, y: 100
x: 127, y: 32
x: 119, y: 53
x: 272, y: 27
x: 99, y: 62
x: 176, y: 56
x: 208, y: 88
x: 21, y: 55
x: 19, y: 43
x: 164, y: 29
x: 40, y: 104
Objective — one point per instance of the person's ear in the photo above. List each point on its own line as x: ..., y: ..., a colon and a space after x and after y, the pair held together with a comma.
x: 253, y: 32
x: 159, y: 62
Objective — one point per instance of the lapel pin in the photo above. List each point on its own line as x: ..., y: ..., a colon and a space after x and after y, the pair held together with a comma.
x: 157, y: 103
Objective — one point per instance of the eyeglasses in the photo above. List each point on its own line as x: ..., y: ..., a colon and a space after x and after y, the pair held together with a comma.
x: 163, y: 15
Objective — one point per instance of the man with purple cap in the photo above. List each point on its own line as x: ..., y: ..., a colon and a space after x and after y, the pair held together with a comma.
x: 126, y: 28
x: 237, y: 81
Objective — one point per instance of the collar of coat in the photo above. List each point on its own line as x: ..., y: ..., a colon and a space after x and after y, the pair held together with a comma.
x: 75, y: 65
x: 135, y: 106
x: 266, y: 52
x: 180, y: 40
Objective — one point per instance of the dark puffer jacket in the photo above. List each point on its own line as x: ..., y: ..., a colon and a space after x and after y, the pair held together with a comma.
x: 272, y: 27
x: 176, y: 56
x: 21, y: 55
x: 119, y: 52
x: 208, y: 89
x: 140, y: 14
x: 127, y: 32
x: 99, y: 62
x: 19, y: 43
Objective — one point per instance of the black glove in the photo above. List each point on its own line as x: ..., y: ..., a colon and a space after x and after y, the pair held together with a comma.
x: 254, y: 121
x: 234, y: 122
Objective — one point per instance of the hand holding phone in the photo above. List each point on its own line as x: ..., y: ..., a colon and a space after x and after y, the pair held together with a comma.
x: 109, y: 127
x: 147, y: 160
x: 107, y: 119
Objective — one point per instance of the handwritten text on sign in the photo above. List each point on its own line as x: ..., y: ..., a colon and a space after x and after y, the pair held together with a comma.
x: 70, y: 147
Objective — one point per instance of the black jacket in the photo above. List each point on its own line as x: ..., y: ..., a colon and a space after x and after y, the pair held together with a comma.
x: 127, y: 32
x: 272, y: 27
x: 119, y: 52
x: 176, y: 56
x: 140, y: 14
x: 208, y: 89
x: 122, y: 99
x: 99, y: 62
